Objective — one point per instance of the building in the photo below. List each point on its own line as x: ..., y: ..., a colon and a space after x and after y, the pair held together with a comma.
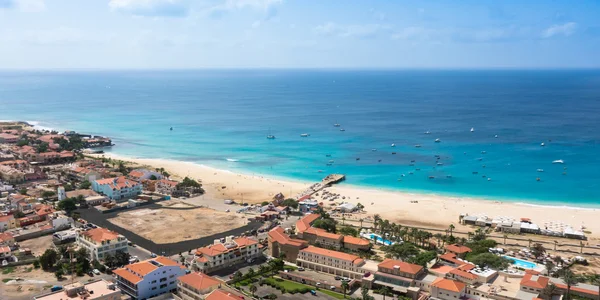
x: 95, y: 290
x: 149, y: 278
x: 332, y: 262
x: 143, y: 174
x: 320, y: 237
x: 8, y: 138
x: 459, y: 250
x: 61, y: 194
x: 397, y: 275
x: 195, y: 286
x: 533, y: 283
x: 281, y: 243
x: 117, y: 188
x: 225, y: 254
x: 11, y: 175
x: 101, y: 242
x: 7, y: 239
x: 7, y: 222
x: 447, y: 289
x: 220, y: 294
x: 84, y: 174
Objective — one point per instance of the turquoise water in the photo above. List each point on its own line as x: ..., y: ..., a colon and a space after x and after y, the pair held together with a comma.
x: 380, y: 239
x: 521, y: 263
x: 222, y: 118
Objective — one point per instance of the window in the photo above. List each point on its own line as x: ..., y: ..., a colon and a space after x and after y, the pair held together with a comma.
x: 153, y: 281
x: 153, y: 288
x: 163, y: 279
x: 162, y: 286
x: 172, y: 276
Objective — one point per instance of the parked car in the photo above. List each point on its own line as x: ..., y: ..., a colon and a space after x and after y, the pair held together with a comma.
x: 96, y: 271
x: 300, y: 269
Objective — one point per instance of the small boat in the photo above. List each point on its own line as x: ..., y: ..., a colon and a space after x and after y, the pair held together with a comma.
x: 440, y: 164
x: 305, y: 135
x: 475, y: 172
x: 542, y: 144
x: 431, y: 177
x: 379, y: 160
x: 402, y: 175
x: 393, y: 145
x: 411, y: 164
x: 472, y: 129
x: 448, y: 176
x: 331, y: 161
x: 558, y: 161
x: 342, y: 129
x: 327, y: 155
x: 373, y: 149
x: 540, y: 170
x: 412, y: 160
x: 427, y: 132
x: 538, y: 179
x: 270, y: 137
x: 171, y: 128
x: 320, y: 171
x: 418, y: 146
x: 483, y: 166
x: 489, y: 179
x: 417, y: 169
x: 329, y: 164
x: 358, y: 158
x: 336, y: 125
x: 483, y: 152
x: 437, y: 140
x: 410, y: 173
x: 496, y: 136
x: 393, y: 152
x: 480, y: 159
x: 483, y: 176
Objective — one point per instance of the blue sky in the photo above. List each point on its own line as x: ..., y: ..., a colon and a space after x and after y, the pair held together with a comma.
x: 300, y: 34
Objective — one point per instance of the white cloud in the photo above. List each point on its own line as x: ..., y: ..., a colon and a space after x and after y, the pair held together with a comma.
x: 151, y: 8
x: 566, y: 29
x: 357, y: 31
x: 24, y: 5
x: 462, y: 35
x: 268, y: 7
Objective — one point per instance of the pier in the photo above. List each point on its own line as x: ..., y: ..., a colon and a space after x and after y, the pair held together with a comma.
x: 327, y: 181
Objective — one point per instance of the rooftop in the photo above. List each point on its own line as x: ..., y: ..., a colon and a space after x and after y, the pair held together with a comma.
x: 96, y: 289
x: 222, y: 295
x: 334, y: 254
x: 277, y: 234
x: 100, y: 235
x: 534, y: 281
x: 402, y: 266
x: 456, y: 248
x: 304, y: 223
x: 199, y: 281
x: 449, y: 285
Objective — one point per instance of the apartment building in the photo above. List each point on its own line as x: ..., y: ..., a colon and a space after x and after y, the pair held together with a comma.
x: 281, y: 243
x: 149, y: 278
x: 395, y: 273
x: 100, y: 242
x: 332, y: 262
x: 447, y: 289
x: 225, y: 253
x: 118, y: 188
x: 95, y: 290
x: 195, y: 286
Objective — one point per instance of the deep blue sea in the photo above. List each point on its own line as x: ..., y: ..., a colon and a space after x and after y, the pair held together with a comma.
x: 226, y: 114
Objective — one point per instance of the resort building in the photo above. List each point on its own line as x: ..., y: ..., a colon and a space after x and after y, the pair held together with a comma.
x: 534, y: 283
x: 143, y: 174
x: 8, y: 138
x: 84, y: 174
x: 117, y: 188
x: 447, y: 289
x: 220, y: 294
x: 225, y: 254
x: 322, y: 238
x: 95, y: 290
x: 149, y: 278
x: 195, y: 286
x: 100, y: 242
x: 281, y: 243
x: 397, y: 275
x: 165, y: 186
x: 332, y: 262
x: 459, y: 250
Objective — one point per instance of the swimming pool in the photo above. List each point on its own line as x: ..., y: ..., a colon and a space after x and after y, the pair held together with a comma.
x: 521, y: 263
x: 380, y: 239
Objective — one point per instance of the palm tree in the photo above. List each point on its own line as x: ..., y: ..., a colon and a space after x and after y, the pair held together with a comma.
x: 555, y: 243
x: 438, y: 237
x: 345, y: 287
x: 570, y: 279
x: 548, y: 291
x: 451, y: 227
x: 549, y: 266
x: 384, y: 291
x: 581, y: 246
x: 263, y: 269
x: 529, y: 240
x: 376, y: 219
x: 252, y: 289
x: 594, y: 279
x: 505, y: 236
x: 414, y: 232
x: 361, y: 222
x: 364, y: 293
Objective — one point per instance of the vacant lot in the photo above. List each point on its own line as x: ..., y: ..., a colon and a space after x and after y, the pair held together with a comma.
x: 177, y: 221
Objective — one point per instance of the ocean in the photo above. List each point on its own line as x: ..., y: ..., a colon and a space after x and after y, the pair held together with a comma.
x: 221, y: 118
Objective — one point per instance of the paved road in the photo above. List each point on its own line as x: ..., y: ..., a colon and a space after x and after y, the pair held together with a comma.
x: 100, y: 219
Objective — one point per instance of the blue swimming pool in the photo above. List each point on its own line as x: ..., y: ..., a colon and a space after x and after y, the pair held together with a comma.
x: 380, y: 239
x: 521, y: 263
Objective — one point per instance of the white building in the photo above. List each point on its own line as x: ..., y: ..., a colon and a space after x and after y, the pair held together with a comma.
x: 62, y: 195
x: 149, y: 278
x: 332, y: 262
x: 100, y: 241
x: 95, y: 290
x: 447, y: 289
x: 221, y: 255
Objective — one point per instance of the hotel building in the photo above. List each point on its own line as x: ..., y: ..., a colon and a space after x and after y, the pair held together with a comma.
x: 225, y: 254
x: 332, y: 262
x: 100, y: 242
x: 149, y: 278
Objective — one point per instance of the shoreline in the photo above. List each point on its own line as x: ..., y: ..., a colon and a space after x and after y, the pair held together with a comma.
x: 397, y: 206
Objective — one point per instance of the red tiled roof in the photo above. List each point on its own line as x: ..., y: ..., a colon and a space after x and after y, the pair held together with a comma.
x: 100, y: 234
x: 534, y: 281
x: 304, y: 223
x: 219, y: 294
x: 117, y: 183
x: 212, y: 250
x: 128, y: 275
x: 135, y: 173
x: 199, y: 281
x: 449, y: 285
x: 334, y: 254
x: 451, y: 257
x: 355, y: 241
x: 456, y: 248
x: 404, y: 266
x: 6, y: 218
x: 169, y: 182
x: 277, y: 234
x: 322, y: 233
x: 166, y: 261
x: 465, y: 274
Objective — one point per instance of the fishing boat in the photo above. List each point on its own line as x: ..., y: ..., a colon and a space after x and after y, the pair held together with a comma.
x: 427, y: 132
x: 440, y: 164
x: 358, y: 158
x: 540, y: 170
x: 373, y: 149
x: 305, y: 135
x: 472, y: 129
x: 475, y: 172
x: 542, y: 144
x: 327, y: 155
x: 171, y: 129
x: 270, y: 137
x: 558, y: 161
x: 418, y: 146
x: 331, y: 161
x: 431, y: 177
x: 448, y: 176
x: 496, y: 136
x: 342, y: 129
x: 437, y: 140
x: 393, y: 145
x: 336, y: 124
x: 393, y: 152
x: 483, y: 152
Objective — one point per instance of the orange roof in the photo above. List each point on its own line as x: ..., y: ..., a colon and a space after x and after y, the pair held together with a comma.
x: 355, y: 241
x: 169, y: 182
x: 222, y: 295
x: 451, y: 257
x: 212, y: 250
x: 462, y: 273
x: 100, y: 234
x: 135, y: 173
x: 142, y: 268
x: 127, y: 275
x: 202, y: 259
x: 277, y: 234
x: 404, y: 266
x: 334, y: 254
x: 166, y: 261
x: 456, y: 248
x: 199, y: 281
x: 577, y: 289
x: 449, y: 285
x: 304, y: 223
x: 323, y: 233
x: 5, y: 236
x: 117, y: 183
x: 4, y: 249
x: 6, y: 218
x: 534, y: 281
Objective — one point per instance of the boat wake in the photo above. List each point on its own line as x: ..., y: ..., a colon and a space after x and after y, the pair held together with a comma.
x: 231, y: 159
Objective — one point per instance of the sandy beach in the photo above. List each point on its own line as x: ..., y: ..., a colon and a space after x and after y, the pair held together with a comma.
x: 430, y: 210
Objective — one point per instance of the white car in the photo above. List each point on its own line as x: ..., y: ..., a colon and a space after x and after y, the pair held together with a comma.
x: 96, y: 272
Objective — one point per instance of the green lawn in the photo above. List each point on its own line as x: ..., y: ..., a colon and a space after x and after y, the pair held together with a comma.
x: 292, y: 285
x: 8, y: 270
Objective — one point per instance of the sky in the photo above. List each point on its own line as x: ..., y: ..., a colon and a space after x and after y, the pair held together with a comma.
x: 188, y: 34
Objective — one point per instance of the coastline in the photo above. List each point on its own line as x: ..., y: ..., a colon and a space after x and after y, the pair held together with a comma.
x: 431, y: 210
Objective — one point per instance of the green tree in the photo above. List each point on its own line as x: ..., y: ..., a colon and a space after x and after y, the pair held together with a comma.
x: 48, y: 259
x: 570, y: 280
x: 276, y: 265
x: 401, y: 251
x: 549, y: 291
x: 84, y: 185
x: 19, y: 214
x: 263, y: 269
x: 345, y: 287
x: 384, y: 291
x: 237, y: 276
x: 122, y: 258
x: 264, y: 203
x: 328, y: 224
x: 538, y: 250
x: 290, y: 202
x: 110, y: 261
x: 42, y: 147
x: 364, y: 293
x: 59, y: 274
x: 252, y: 289
x: 451, y: 228
x: 250, y: 273
x: 423, y: 258
x: 22, y: 143
x: 594, y: 279
x: 347, y: 230
x: 48, y: 194
x: 36, y: 264
x: 68, y: 205
x: 490, y: 260
x: 549, y: 267
x: 152, y: 177
x: 23, y: 191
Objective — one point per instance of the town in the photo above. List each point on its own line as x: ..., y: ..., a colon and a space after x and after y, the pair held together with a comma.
x: 76, y: 224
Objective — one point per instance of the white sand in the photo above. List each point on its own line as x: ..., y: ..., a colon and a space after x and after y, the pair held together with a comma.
x: 430, y: 211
